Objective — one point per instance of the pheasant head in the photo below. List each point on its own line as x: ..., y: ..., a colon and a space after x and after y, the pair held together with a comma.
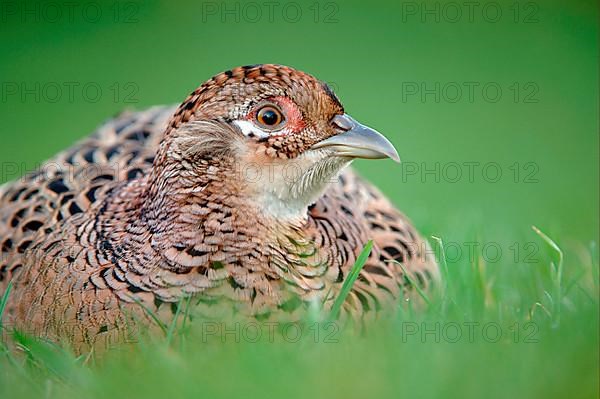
x: 268, y: 133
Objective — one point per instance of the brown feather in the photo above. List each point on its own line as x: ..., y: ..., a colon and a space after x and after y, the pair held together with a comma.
x: 133, y: 216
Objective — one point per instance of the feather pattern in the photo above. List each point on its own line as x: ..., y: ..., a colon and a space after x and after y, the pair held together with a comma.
x: 128, y: 221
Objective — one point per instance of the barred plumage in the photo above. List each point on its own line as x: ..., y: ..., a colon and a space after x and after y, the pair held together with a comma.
x: 198, y: 200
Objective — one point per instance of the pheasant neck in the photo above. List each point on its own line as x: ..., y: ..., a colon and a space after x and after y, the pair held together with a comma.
x: 186, y: 219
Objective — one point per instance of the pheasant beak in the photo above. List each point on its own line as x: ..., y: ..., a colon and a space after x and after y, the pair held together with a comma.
x: 358, y: 141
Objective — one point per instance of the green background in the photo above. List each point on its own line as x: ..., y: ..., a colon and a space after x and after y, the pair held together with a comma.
x: 370, y: 52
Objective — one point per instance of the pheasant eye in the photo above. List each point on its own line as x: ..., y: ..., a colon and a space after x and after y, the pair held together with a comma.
x: 269, y: 116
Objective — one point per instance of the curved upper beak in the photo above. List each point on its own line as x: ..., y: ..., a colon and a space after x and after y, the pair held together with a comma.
x: 358, y: 141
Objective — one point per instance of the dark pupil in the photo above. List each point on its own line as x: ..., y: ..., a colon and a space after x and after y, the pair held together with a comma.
x: 269, y: 117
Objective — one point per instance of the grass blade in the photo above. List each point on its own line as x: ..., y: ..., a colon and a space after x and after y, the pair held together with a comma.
x: 173, y: 324
x: 349, y: 282
x: 413, y: 283
x: 3, y: 302
x: 152, y: 315
x: 557, y: 273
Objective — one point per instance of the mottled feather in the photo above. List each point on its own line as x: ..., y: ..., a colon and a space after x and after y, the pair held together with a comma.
x: 109, y: 228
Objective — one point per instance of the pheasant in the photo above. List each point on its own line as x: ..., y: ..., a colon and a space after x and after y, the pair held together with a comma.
x: 240, y: 198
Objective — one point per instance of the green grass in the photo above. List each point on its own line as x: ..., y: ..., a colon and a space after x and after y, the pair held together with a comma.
x: 549, y: 353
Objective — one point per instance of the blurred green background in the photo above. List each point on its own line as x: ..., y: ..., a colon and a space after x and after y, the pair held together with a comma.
x: 532, y: 115
x: 384, y: 59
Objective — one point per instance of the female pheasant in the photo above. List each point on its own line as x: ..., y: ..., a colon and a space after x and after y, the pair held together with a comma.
x: 240, y: 198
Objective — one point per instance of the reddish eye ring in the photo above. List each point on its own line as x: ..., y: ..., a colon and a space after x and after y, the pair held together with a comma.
x: 270, y: 117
